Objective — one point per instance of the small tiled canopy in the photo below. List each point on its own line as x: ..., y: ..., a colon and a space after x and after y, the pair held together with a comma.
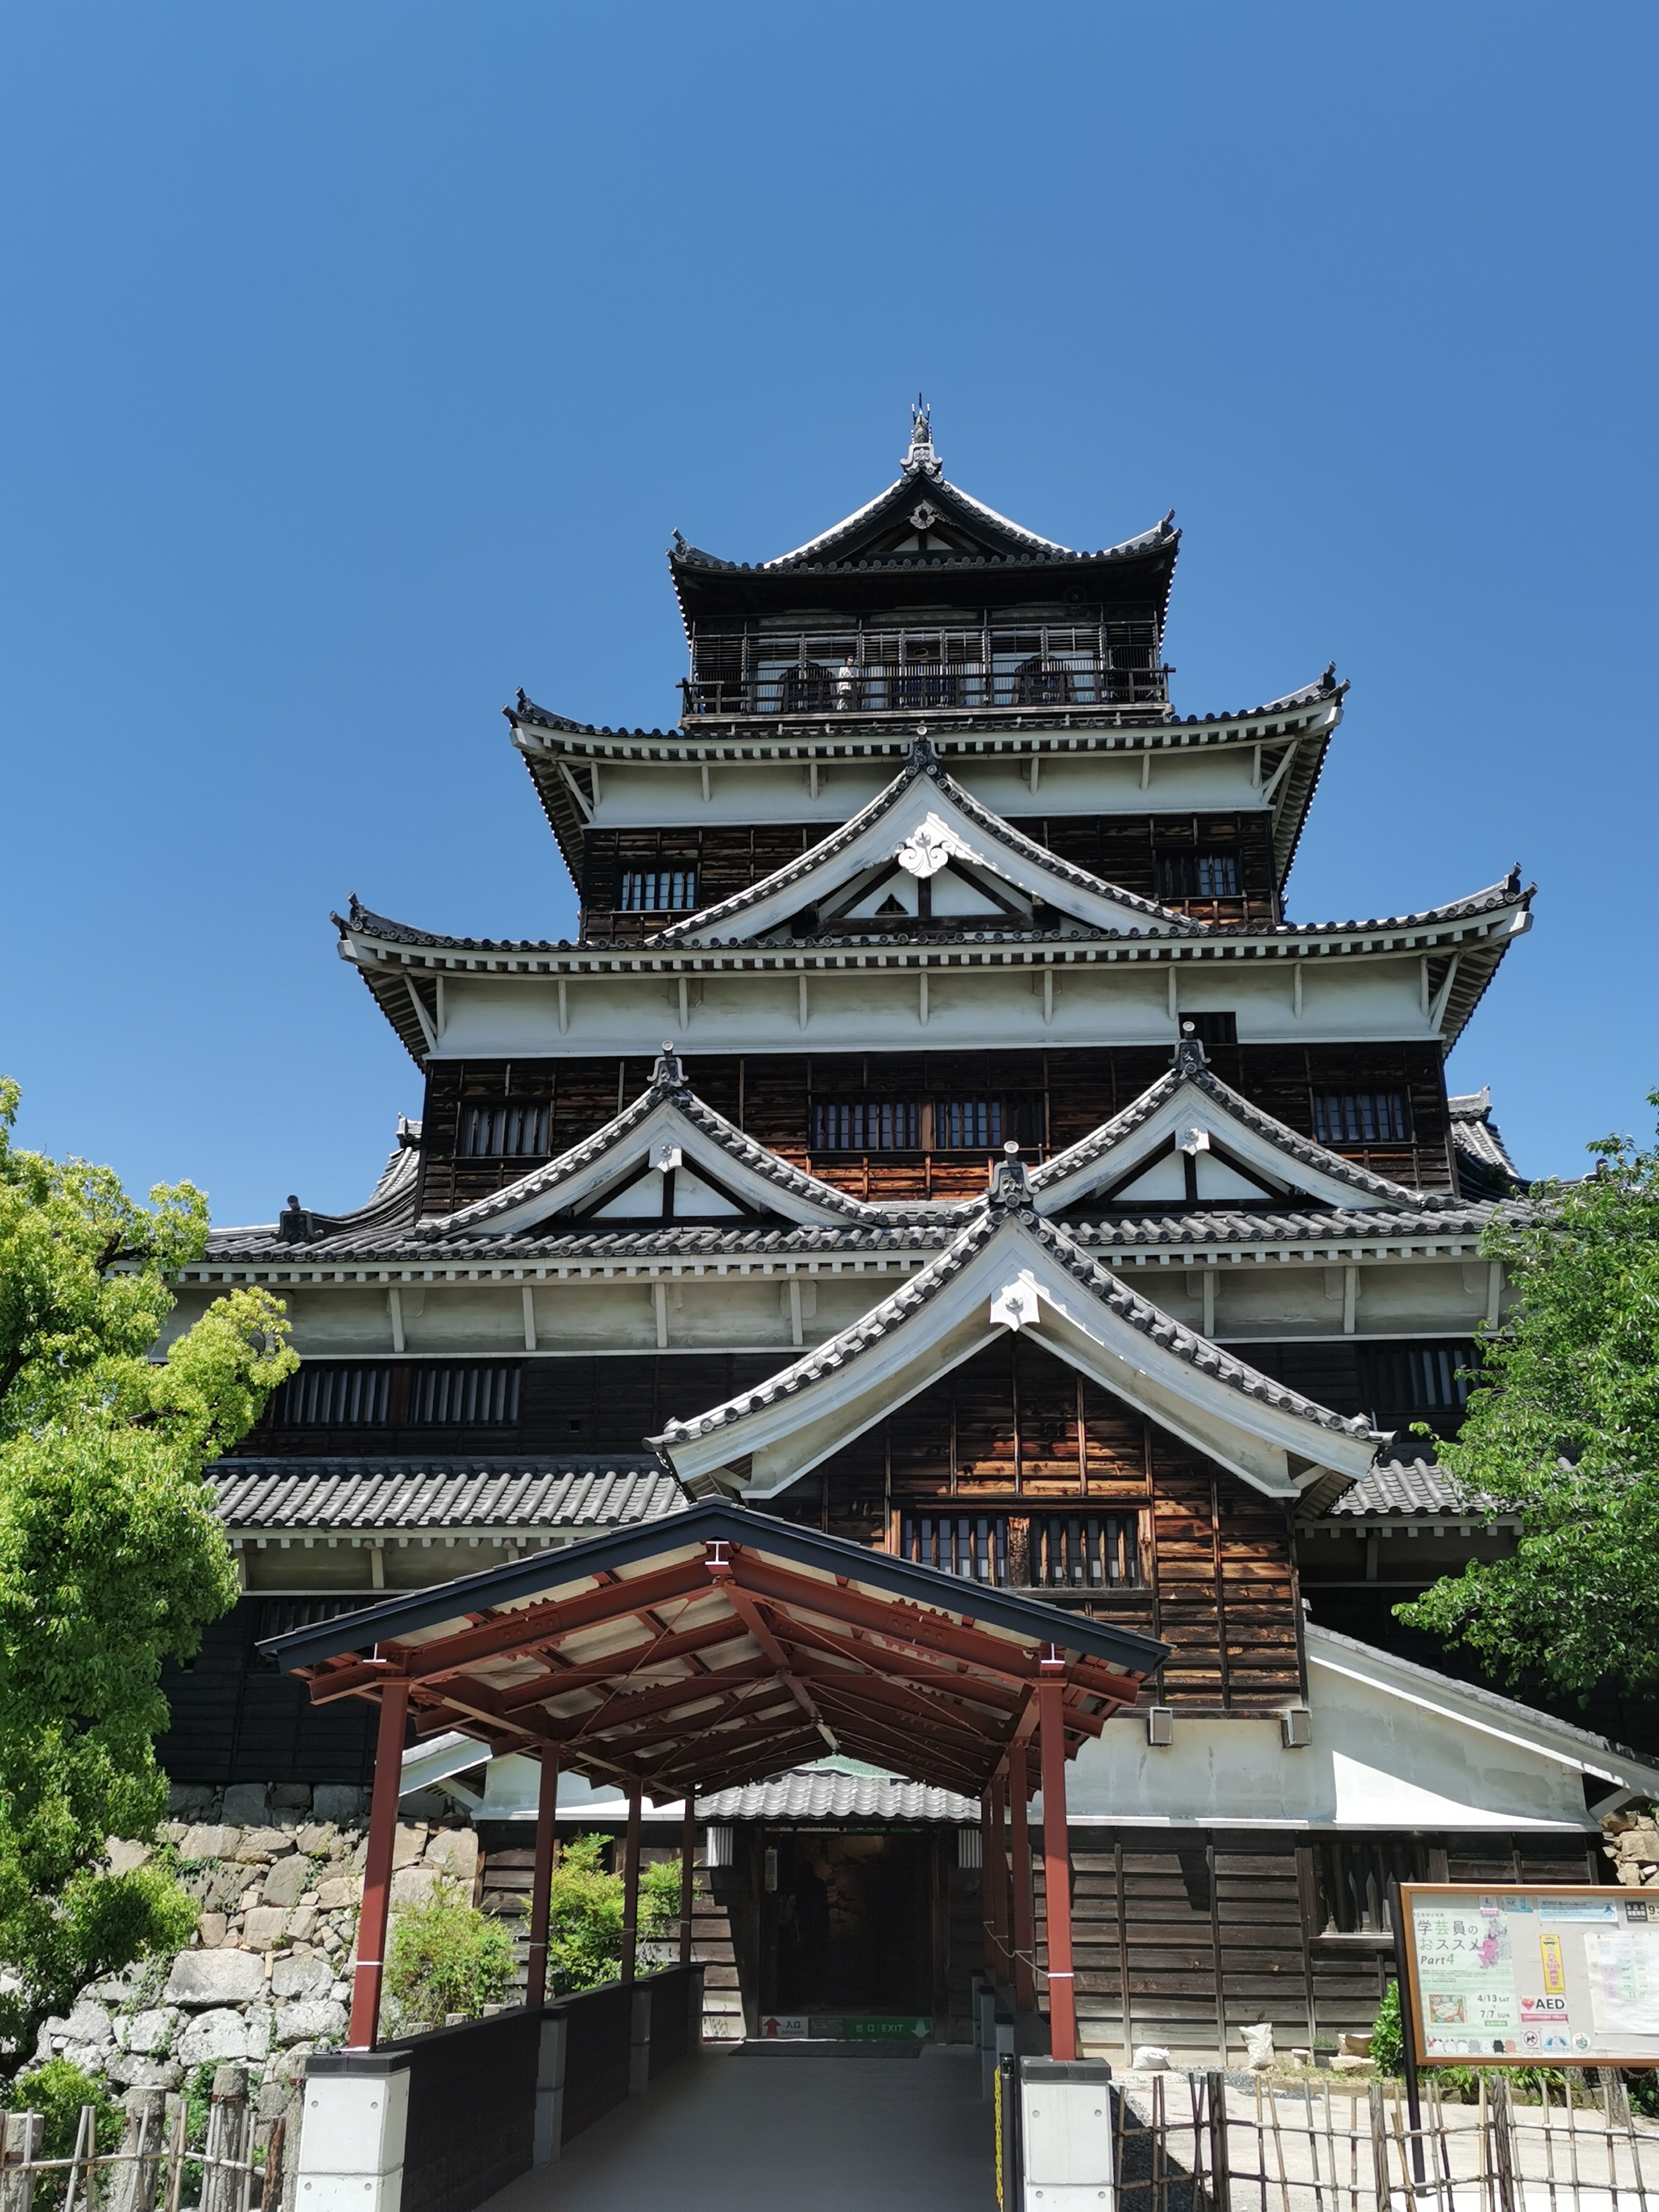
x: 701, y: 1650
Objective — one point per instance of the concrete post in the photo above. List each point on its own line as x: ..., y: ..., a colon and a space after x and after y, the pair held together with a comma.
x: 1066, y: 2134
x: 351, y: 2142
x: 548, y: 2134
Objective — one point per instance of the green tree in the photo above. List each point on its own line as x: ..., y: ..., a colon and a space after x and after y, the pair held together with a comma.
x: 446, y: 1956
x: 112, y: 1560
x: 1563, y: 1431
x: 585, y: 1914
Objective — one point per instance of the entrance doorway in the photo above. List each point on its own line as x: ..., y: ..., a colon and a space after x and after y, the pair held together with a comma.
x: 849, y: 1925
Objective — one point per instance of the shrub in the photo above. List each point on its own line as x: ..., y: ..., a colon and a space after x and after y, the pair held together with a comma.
x: 585, y: 1923
x: 446, y: 1956
x: 1388, y: 2037
x: 57, y: 2091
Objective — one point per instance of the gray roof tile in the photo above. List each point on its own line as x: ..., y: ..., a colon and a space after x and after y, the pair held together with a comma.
x: 505, y: 1491
x: 813, y: 1793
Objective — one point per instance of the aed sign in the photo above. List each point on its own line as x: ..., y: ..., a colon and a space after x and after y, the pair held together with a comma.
x: 1512, y: 1976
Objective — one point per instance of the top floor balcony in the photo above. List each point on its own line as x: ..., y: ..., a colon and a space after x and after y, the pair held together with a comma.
x: 908, y: 671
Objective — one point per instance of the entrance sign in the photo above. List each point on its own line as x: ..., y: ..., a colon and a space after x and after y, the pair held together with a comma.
x: 787, y: 2026
x: 1506, y: 1976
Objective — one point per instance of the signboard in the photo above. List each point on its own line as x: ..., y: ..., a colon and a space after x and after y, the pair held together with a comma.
x: 885, y: 2027
x: 789, y: 2027
x: 1503, y: 1976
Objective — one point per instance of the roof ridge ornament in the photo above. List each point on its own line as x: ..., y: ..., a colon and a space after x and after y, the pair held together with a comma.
x: 1190, y: 1058
x: 922, y: 459
x: 924, y: 758
x: 1010, y: 1183
x: 669, y: 1072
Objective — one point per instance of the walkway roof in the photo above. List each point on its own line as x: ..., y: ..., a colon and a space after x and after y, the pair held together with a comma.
x: 719, y: 1644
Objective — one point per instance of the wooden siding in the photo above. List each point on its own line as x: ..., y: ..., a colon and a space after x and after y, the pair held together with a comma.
x: 1016, y: 1426
x: 1061, y: 1096
x: 1181, y: 1940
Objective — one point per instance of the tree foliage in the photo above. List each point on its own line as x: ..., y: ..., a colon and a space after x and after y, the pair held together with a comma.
x: 585, y: 1914
x: 112, y: 1560
x: 1563, y: 1431
x: 446, y: 1956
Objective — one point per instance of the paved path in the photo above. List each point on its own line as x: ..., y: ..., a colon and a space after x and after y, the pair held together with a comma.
x: 841, y: 2130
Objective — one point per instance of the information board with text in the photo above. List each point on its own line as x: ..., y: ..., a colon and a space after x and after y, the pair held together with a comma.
x: 1510, y: 1976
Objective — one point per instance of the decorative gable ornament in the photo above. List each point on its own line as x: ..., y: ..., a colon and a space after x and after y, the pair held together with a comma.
x: 923, y: 517
x: 1194, y: 1139
x: 1015, y: 1305
x: 929, y: 847
x: 665, y: 1157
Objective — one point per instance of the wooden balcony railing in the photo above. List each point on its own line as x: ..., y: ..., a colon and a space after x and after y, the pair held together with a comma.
x: 1125, y: 676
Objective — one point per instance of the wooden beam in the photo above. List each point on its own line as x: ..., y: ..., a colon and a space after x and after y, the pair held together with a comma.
x: 1057, y: 1874
x: 720, y: 1571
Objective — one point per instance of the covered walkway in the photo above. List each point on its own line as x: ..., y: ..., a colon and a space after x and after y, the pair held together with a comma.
x: 818, y: 2130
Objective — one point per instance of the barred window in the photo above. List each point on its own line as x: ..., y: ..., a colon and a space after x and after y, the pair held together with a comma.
x: 463, y: 1396
x: 1036, y: 1551
x: 1416, y: 1378
x: 333, y: 1398
x: 498, y: 1132
x: 659, y: 890
x: 1361, y: 1117
x: 909, y: 1124
x: 1200, y: 875
x: 859, y: 1125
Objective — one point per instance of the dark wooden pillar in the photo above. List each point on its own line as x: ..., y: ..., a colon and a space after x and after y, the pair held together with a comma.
x: 997, y: 1872
x: 1019, y: 1857
x: 1057, y: 1869
x: 541, y: 1881
x: 631, y: 1885
x: 377, y: 1866
x: 688, y: 1855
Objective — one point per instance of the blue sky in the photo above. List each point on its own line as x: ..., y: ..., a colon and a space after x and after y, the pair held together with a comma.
x: 357, y: 361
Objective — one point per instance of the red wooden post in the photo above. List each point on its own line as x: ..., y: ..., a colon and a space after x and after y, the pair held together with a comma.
x: 986, y: 1847
x: 998, y: 1874
x: 688, y: 1853
x: 541, y: 1881
x: 1057, y: 1865
x: 631, y: 1885
x: 377, y: 1866
x: 1019, y: 1851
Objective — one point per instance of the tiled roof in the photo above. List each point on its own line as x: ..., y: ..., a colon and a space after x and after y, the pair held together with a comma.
x: 825, y: 1793
x: 507, y: 1491
x: 1403, y: 1486
x: 1010, y: 1197
x: 388, y: 1209
x: 924, y: 762
x: 1485, y: 1168
x: 1191, y: 1068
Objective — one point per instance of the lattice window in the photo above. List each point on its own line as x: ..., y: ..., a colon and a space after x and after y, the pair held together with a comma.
x: 874, y: 1124
x: 657, y: 890
x: 502, y: 1132
x: 469, y: 1397
x: 333, y: 1398
x: 1361, y: 1117
x: 1077, y: 1551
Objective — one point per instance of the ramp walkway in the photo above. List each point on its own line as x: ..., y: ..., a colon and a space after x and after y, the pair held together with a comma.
x: 818, y: 2128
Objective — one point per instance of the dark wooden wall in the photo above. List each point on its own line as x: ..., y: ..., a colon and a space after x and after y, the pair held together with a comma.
x: 1015, y: 1425
x: 235, y: 1718
x: 1059, y: 1098
x: 1142, y: 854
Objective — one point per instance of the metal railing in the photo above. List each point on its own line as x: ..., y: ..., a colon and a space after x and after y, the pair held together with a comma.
x: 1123, y: 676
x: 1198, y: 2142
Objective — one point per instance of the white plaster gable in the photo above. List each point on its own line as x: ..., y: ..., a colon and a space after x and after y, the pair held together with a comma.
x: 1395, y: 1746
x: 926, y: 815
x: 1191, y: 1112
x: 1008, y: 1270
x: 718, y: 1173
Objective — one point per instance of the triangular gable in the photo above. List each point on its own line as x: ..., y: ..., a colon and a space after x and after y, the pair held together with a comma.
x: 1192, y: 1129
x: 668, y: 1156
x: 1012, y: 1270
x: 925, y: 825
